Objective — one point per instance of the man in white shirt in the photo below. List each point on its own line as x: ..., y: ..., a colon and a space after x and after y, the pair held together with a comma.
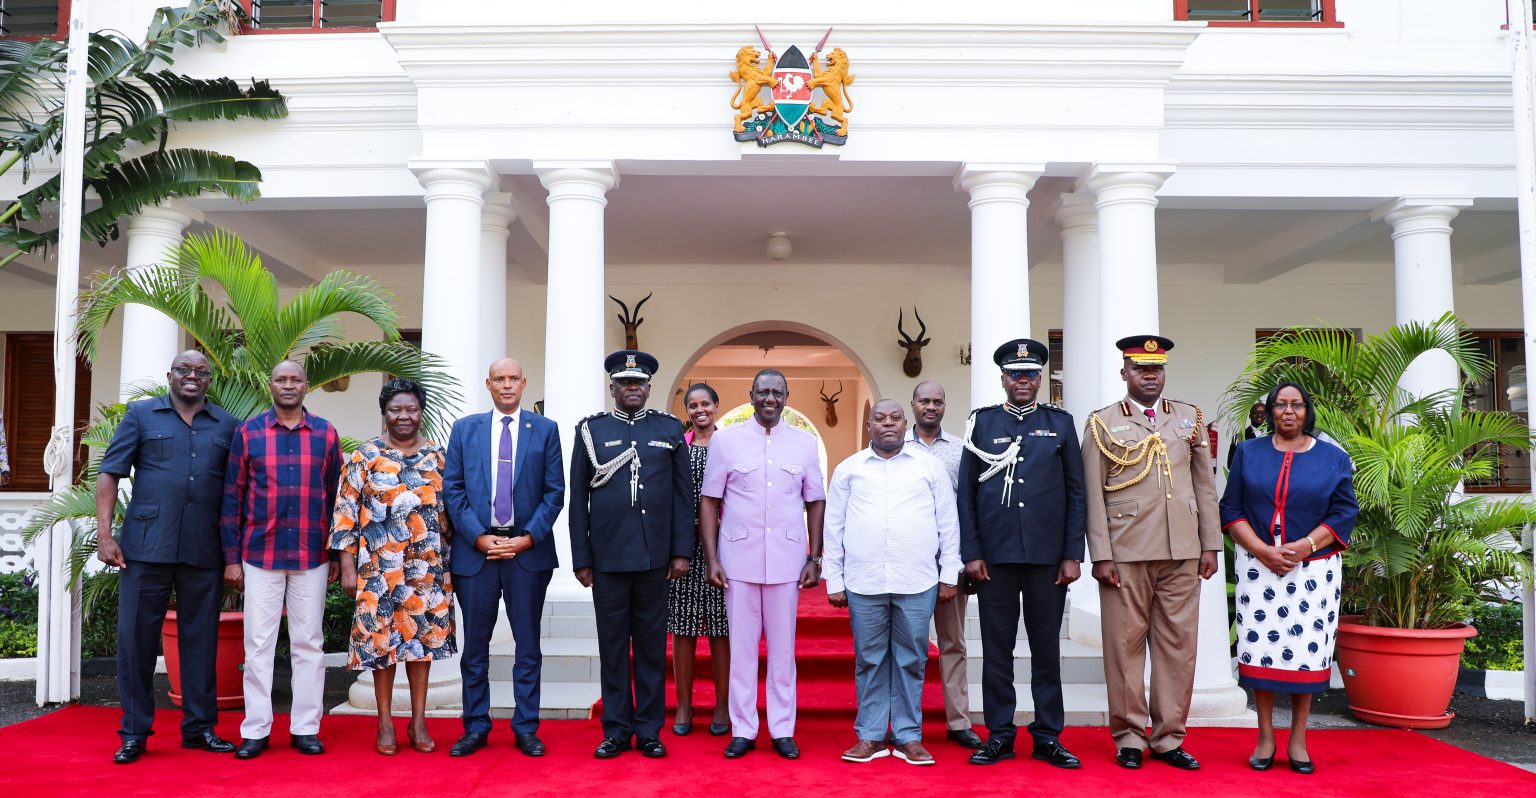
x: 892, y: 545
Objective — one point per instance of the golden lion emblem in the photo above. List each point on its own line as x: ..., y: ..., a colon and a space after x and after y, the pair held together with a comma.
x: 750, y: 80
x: 834, y: 81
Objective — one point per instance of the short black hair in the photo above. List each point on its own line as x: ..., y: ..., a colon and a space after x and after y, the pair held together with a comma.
x: 701, y: 386
x: 1306, y: 398
x: 770, y: 373
x: 398, y: 385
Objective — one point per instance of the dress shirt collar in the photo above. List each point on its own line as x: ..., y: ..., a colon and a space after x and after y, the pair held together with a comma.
x: 1019, y: 412
x: 943, y: 436
x: 516, y: 416
x: 1141, y: 409
x: 870, y: 454
x: 163, y: 402
x: 304, y: 421
x: 635, y: 416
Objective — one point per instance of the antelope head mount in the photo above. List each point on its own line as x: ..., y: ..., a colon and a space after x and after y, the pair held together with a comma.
x: 831, y: 402
x: 912, y: 365
x: 631, y: 321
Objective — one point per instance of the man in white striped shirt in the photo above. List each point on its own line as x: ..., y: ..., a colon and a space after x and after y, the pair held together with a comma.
x: 892, y: 546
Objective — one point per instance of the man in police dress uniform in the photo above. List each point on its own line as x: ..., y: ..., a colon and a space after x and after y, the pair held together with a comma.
x: 1154, y: 534
x: 1022, y: 513
x: 632, y: 529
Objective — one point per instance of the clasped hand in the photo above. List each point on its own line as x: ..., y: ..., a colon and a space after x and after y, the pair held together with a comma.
x: 1280, y: 559
x: 496, y: 547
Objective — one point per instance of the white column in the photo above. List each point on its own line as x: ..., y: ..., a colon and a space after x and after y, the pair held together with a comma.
x: 999, y: 264
x: 1126, y: 198
x: 150, y: 339
x: 494, y: 219
x: 1082, y: 354
x: 1421, y: 251
x: 451, y: 271
x: 573, y: 332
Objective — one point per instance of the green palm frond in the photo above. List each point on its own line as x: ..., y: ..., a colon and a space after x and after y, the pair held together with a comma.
x: 162, y: 289
x: 399, y: 358
x: 313, y: 316
x: 223, y: 259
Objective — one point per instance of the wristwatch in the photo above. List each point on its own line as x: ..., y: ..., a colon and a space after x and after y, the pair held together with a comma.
x: 816, y: 560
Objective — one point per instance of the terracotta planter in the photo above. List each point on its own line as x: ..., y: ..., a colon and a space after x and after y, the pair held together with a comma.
x: 227, y: 665
x: 1400, y: 677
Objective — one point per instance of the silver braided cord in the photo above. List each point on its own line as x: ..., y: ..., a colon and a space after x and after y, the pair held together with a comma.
x: 602, y: 472
x: 1002, y: 462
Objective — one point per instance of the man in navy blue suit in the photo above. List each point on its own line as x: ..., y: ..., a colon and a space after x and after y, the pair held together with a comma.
x: 504, y: 487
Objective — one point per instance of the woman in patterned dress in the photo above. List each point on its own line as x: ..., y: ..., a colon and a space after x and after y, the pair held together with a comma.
x: 1299, y: 490
x: 391, y: 535
x: 694, y: 606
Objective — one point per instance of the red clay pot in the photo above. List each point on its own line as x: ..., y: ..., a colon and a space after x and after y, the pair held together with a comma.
x: 1400, y: 677
x: 227, y: 664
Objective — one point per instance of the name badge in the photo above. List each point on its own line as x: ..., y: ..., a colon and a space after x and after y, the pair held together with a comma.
x: 660, y: 444
x: 1042, y: 433
x: 612, y: 443
x: 1121, y: 428
x: 1002, y: 440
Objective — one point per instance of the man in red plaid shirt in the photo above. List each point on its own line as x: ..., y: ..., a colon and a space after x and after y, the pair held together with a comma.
x: 279, y: 494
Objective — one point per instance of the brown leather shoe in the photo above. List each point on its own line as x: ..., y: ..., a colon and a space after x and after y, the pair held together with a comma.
x: 913, y: 753
x: 866, y: 751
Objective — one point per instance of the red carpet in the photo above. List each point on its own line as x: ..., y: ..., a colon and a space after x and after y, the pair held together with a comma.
x: 69, y: 752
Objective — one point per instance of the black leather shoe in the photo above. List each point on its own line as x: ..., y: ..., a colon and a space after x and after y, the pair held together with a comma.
x: 1057, y: 756
x: 738, y: 747
x: 1261, y: 764
x: 719, y: 729
x: 468, y: 744
x: 1128, y: 758
x: 650, y: 747
x: 129, y: 752
x: 530, y: 744
x: 1304, y: 768
x: 307, y: 744
x: 786, y: 747
x: 1179, y: 758
x: 993, y: 752
x: 965, y: 738
x: 682, y: 729
x: 611, y: 747
x: 210, y: 742
x: 250, y: 749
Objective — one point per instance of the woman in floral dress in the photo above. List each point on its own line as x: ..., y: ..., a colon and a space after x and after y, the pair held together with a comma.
x: 391, y: 535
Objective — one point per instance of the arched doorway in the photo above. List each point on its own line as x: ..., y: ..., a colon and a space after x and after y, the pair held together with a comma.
x: 815, y: 364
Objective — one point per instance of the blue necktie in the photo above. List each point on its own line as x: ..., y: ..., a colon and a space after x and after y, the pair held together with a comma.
x: 503, y: 503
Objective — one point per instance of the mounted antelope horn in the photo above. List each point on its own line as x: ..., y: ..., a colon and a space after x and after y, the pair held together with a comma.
x: 831, y: 402
x: 631, y: 321
x: 912, y: 364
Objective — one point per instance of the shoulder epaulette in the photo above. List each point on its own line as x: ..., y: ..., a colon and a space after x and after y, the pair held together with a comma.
x: 1125, y: 407
x: 1169, y: 403
x: 1049, y: 406
x: 986, y: 407
x: 594, y: 415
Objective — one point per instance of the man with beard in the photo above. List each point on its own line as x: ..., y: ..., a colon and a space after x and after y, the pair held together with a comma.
x: 279, y: 497
x: 1021, y: 537
x: 1154, y: 534
x: 631, y: 531
x: 892, y: 548
x: 928, y: 434
x: 767, y: 476
x: 175, y: 447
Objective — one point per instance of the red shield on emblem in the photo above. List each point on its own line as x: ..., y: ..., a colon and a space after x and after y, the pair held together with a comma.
x: 792, y: 86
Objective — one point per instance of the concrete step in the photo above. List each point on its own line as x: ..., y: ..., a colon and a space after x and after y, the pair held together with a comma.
x: 1086, y: 705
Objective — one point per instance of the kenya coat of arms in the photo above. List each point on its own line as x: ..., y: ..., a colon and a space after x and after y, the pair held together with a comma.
x: 790, y: 112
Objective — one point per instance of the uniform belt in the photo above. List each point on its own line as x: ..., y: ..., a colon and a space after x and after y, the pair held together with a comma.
x: 506, y: 532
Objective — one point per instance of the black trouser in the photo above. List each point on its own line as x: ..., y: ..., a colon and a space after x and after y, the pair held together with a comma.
x: 144, y: 593
x: 631, y: 608
x: 998, y: 601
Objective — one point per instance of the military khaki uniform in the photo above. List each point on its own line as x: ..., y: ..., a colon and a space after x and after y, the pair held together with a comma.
x: 1154, y: 530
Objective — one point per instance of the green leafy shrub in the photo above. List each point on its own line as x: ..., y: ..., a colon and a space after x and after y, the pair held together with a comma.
x: 1499, y: 643
x: 18, y: 614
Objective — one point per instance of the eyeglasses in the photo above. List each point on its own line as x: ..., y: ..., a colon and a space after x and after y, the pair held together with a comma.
x: 187, y: 371
x: 1294, y: 407
x: 768, y: 393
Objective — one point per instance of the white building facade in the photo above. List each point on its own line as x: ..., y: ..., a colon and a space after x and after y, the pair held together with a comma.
x: 1075, y: 171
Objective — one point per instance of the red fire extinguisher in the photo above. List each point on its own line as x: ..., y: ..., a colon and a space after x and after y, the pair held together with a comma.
x: 1211, y: 431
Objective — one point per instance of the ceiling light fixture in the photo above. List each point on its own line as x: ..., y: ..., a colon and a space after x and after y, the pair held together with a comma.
x: 779, y: 247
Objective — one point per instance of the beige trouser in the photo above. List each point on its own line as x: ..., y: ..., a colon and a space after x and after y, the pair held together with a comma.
x: 949, y: 628
x: 266, y: 594
x: 1156, y: 605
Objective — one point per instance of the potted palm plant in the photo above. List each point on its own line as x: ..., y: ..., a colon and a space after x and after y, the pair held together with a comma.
x: 1424, y: 551
x: 245, y: 330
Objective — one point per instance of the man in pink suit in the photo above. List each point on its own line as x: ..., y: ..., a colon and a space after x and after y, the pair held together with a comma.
x: 766, y: 546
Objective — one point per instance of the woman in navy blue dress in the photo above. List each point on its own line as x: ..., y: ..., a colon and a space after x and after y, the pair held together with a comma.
x: 1290, y: 506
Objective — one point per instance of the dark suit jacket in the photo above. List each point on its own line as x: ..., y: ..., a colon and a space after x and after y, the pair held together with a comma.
x: 1044, y: 519
x: 538, y: 494
x: 178, y: 481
